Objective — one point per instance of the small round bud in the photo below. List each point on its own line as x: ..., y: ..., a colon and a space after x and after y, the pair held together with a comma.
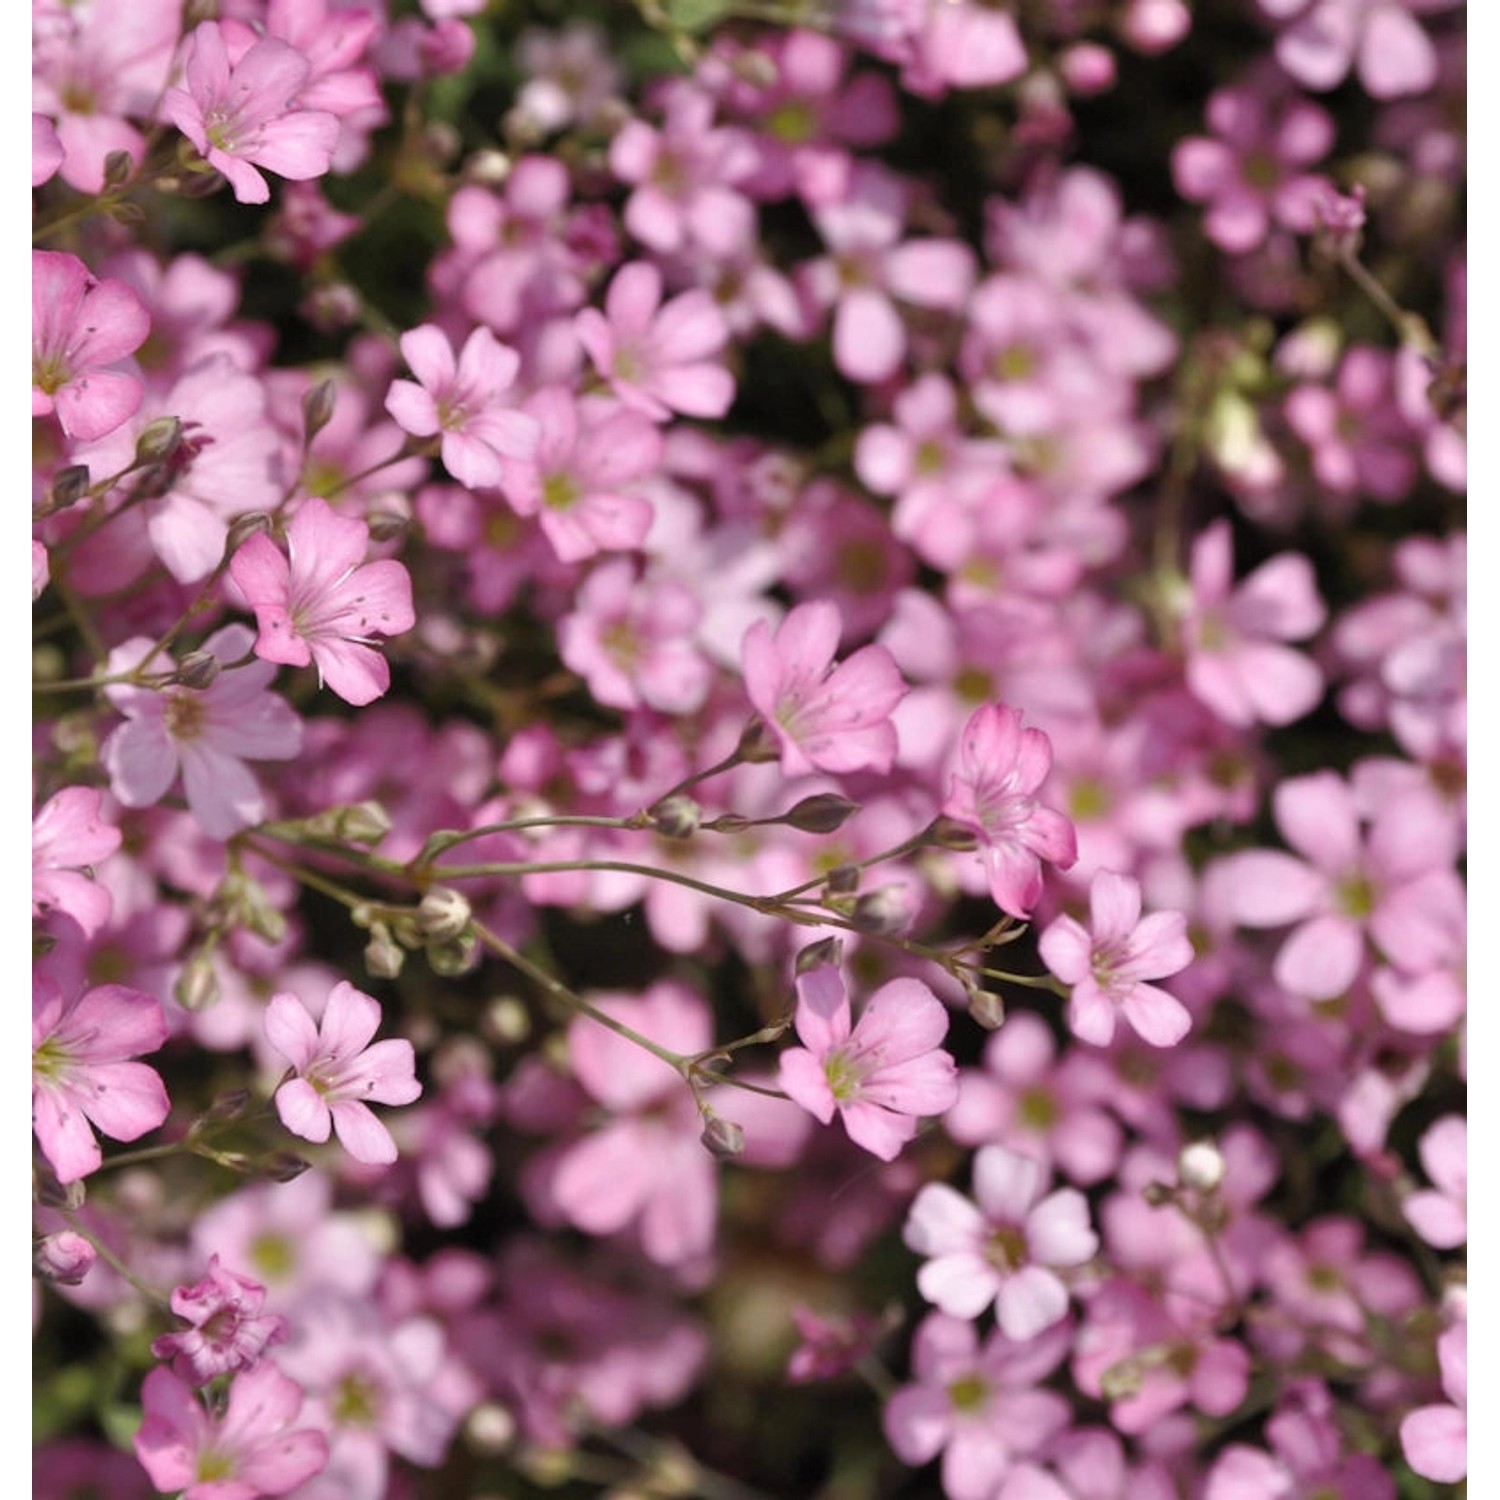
x: 507, y: 1020
x: 885, y: 911
x: 65, y: 1257
x: 488, y: 168
x: 118, y: 168
x: 443, y: 914
x: 842, y: 880
x: 723, y: 1137
x: 676, y: 817
x: 255, y: 523
x: 824, y: 813
x: 987, y: 1009
x: 384, y: 956
x: 159, y: 440
x: 283, y: 1166
x: 489, y: 1428
x: 197, y: 670
x: 450, y: 959
x: 197, y: 987
x: 756, y: 743
x: 387, y: 525
x: 70, y: 486
x: 1201, y: 1166
x: 945, y: 833
x: 354, y: 823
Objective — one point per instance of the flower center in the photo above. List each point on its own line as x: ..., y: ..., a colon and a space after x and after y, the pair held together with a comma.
x: 272, y: 1256
x: 1037, y: 1110
x: 184, y: 715
x: 1006, y: 1249
x: 843, y: 1076
x: 969, y: 1392
x: 562, y: 491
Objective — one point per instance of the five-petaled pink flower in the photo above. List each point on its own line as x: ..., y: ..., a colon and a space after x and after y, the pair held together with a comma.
x: 323, y: 602
x: 81, y: 328
x: 1004, y: 1249
x: 1435, y: 1439
x: 190, y: 1448
x: 241, y: 112
x: 1108, y: 962
x: 339, y: 1074
x: 81, y: 1072
x: 461, y: 399
x: 68, y: 837
x: 823, y: 717
x: 992, y: 792
x: 883, y: 1074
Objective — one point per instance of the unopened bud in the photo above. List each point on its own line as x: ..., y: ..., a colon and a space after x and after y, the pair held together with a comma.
x: 443, y: 914
x: 946, y: 833
x: 827, y: 950
x: 507, y: 1020
x: 1200, y: 1166
x: 489, y: 1428
x: 987, y: 1009
x: 723, y: 1137
x: 756, y: 743
x: 132, y: 215
x: 458, y: 956
x: 197, y: 670
x: 357, y: 823
x: 676, y: 817
x: 317, y: 408
x: 384, y: 956
x: 225, y: 1108
x: 254, y: 523
x: 70, y: 486
x: 1159, y: 1194
x: 283, y: 1166
x: 842, y: 880
x: 387, y: 525
x: 822, y: 813
x: 158, y: 441
x: 489, y: 168
x: 65, y: 1257
x: 118, y: 167
x: 197, y: 987
x: 885, y: 911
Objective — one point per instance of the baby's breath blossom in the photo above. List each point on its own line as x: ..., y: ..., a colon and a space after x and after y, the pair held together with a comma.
x: 228, y: 1331
x: 339, y: 1074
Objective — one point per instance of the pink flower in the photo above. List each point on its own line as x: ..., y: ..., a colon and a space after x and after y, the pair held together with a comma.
x: 339, y: 1074
x: 1235, y: 662
x: 823, y: 717
x: 1440, y: 1214
x: 462, y: 400
x: 67, y: 838
x: 1002, y: 1251
x: 207, y: 734
x: 322, y: 602
x: 81, y: 1073
x: 991, y: 791
x: 1381, y: 38
x: 240, y: 113
x: 251, y: 1449
x: 657, y: 358
x: 81, y: 328
x: 228, y: 1333
x: 882, y: 1075
x: 1108, y: 962
x: 1435, y: 1439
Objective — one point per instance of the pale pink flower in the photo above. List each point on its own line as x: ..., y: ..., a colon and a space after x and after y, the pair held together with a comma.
x: 1435, y: 1439
x: 1440, y: 1214
x: 228, y: 1331
x: 1232, y: 634
x: 1381, y: 39
x: 68, y: 837
x: 1006, y: 1249
x: 992, y: 792
x: 322, y: 602
x: 81, y: 330
x: 46, y: 149
x: 1108, y: 962
x: 240, y: 112
x: 822, y: 716
x: 883, y: 1074
x: 206, y: 734
x: 658, y: 358
x: 461, y: 399
x: 81, y: 1071
x: 339, y: 1073
x: 251, y: 1449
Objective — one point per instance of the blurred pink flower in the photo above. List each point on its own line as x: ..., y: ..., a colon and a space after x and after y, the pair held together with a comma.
x: 1435, y: 1439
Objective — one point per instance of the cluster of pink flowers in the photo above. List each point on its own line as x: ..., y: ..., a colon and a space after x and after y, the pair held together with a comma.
x: 802, y: 725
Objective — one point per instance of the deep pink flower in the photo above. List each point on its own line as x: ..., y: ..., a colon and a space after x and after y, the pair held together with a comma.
x: 251, y: 1449
x: 81, y: 1071
x: 68, y: 837
x: 322, y: 602
x: 240, y: 112
x: 1003, y: 1251
x: 461, y: 399
x: 339, y: 1073
x: 882, y: 1075
x: 228, y: 1332
x: 81, y: 328
x: 823, y: 717
x: 1108, y: 962
x: 991, y: 791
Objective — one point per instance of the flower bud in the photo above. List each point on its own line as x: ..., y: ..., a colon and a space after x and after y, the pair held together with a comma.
x: 842, y: 880
x: 384, y: 956
x: 1200, y: 1166
x: 489, y: 1428
x: 756, y: 743
x: 886, y: 911
x: 987, y: 1009
x: 1159, y: 1194
x: 443, y: 914
x: 722, y: 1137
x: 356, y: 823
x: 254, y: 523
x: 823, y: 813
x: 197, y: 986
x: 65, y: 1257
x: 118, y: 168
x: 676, y: 817
x: 197, y: 670
x: 317, y: 408
x: 946, y: 833
x: 507, y: 1020
x: 387, y: 525
x: 283, y: 1166
x: 70, y: 486
x: 159, y: 441
x: 450, y: 959
x: 827, y: 950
